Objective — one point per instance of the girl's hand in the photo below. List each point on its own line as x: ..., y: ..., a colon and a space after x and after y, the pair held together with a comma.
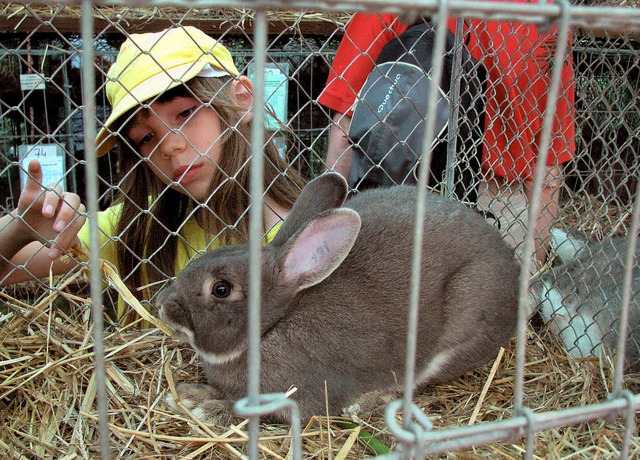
x: 50, y: 216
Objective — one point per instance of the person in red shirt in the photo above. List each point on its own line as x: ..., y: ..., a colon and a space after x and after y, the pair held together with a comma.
x: 517, y: 58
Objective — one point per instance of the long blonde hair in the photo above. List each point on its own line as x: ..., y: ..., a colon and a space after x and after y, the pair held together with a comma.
x: 152, y: 213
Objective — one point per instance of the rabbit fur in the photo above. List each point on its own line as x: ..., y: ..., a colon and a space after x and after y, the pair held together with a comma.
x: 336, y: 283
x: 580, y: 298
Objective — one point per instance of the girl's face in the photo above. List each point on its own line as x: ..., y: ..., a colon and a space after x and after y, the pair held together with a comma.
x: 181, y: 138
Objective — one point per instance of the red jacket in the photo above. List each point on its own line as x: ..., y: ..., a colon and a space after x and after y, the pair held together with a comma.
x: 516, y: 57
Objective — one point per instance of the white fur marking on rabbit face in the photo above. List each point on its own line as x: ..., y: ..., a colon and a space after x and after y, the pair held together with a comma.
x: 181, y: 333
x: 320, y: 247
x: 220, y: 358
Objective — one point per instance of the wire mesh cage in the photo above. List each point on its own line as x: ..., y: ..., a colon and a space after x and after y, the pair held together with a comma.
x: 462, y: 107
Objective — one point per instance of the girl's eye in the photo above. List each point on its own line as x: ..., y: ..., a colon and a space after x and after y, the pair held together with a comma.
x: 187, y: 113
x: 221, y: 289
x: 147, y: 138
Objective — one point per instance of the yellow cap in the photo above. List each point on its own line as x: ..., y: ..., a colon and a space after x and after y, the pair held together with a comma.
x: 150, y: 64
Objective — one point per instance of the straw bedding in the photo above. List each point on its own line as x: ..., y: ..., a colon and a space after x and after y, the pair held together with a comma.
x: 48, y: 394
x: 138, y: 11
x: 48, y: 391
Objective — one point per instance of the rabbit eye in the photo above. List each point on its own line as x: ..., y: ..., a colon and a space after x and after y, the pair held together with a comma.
x: 221, y: 289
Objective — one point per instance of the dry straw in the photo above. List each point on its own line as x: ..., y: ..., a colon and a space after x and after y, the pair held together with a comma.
x: 48, y: 388
x: 242, y: 17
x: 48, y: 392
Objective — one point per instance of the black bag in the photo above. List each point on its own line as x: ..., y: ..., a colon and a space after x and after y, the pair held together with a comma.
x: 388, y: 122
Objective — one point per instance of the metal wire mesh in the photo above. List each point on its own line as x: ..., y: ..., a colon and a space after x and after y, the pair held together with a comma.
x: 586, y: 293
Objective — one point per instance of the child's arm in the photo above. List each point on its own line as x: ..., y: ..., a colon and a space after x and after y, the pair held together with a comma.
x: 41, y: 217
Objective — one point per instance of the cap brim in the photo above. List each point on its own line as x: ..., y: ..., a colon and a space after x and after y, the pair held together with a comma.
x: 153, y: 86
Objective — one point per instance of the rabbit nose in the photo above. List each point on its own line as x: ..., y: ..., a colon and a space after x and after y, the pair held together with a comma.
x: 160, y: 313
x: 171, y: 307
x: 160, y: 299
x: 167, y: 312
x: 164, y: 303
x: 166, y: 291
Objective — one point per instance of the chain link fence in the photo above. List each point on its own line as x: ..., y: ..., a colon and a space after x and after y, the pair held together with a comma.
x: 568, y: 384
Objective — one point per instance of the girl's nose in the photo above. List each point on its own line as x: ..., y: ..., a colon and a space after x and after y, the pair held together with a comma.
x: 173, y: 143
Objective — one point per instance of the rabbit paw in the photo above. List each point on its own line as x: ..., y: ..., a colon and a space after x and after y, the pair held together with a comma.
x: 204, y: 402
x: 368, y: 402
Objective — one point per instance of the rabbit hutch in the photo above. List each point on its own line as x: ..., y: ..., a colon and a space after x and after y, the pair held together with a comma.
x: 561, y: 389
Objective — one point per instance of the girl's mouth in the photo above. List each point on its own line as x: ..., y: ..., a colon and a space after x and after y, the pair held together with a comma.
x: 186, y: 174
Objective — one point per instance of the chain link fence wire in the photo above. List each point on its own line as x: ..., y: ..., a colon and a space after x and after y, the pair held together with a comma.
x: 568, y: 384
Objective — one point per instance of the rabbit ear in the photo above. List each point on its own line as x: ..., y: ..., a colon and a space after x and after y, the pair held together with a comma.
x: 319, y: 247
x: 327, y: 191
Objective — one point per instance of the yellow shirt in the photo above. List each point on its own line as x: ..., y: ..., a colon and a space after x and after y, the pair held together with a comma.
x: 194, y: 240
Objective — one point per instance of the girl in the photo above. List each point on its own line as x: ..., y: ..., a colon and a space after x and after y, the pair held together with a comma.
x: 181, y: 118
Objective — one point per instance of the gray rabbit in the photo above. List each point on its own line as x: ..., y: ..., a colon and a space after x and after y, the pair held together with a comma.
x: 335, y: 302
x: 580, y: 298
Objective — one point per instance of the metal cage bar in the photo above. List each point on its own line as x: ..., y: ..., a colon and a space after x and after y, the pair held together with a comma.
x: 415, y: 434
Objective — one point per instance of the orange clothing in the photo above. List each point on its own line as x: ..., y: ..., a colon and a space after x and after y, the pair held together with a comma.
x: 364, y: 38
x: 517, y: 58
